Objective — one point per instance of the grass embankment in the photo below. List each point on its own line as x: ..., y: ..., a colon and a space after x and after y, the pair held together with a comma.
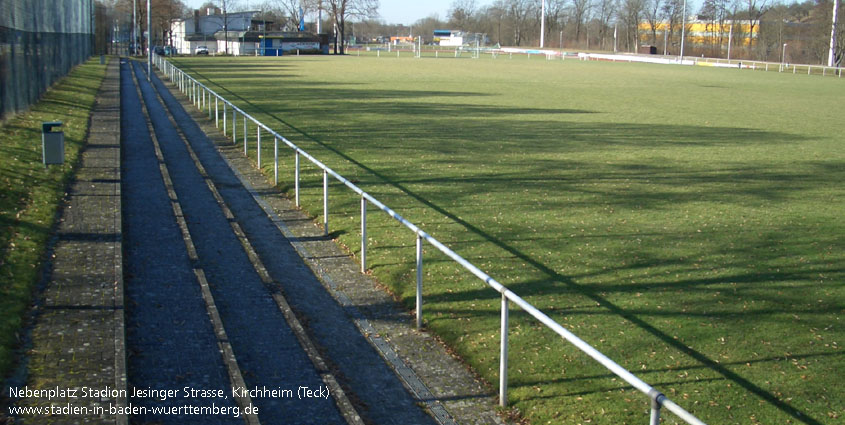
x: 685, y: 221
x: 30, y: 194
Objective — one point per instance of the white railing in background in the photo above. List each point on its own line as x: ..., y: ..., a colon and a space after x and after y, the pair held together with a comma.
x: 201, y: 95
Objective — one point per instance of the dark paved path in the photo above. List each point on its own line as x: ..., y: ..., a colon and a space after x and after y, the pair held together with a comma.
x: 383, y: 398
x: 267, y: 351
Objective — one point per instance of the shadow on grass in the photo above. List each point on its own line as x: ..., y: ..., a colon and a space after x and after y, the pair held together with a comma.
x: 558, y: 137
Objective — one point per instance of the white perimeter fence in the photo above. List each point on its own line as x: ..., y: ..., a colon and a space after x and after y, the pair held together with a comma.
x: 550, y: 54
x: 791, y: 68
x: 206, y: 99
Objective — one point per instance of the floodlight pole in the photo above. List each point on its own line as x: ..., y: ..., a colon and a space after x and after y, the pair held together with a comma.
x: 149, y: 39
x: 683, y: 30
x: 730, y: 39
x: 831, y: 57
x: 543, y: 24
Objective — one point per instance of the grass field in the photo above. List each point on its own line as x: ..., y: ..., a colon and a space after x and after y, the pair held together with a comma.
x: 686, y: 222
x: 30, y: 194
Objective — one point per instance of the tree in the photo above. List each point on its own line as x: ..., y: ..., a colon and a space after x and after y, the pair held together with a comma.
x: 163, y: 13
x: 226, y: 6
x: 426, y: 26
x: 517, y: 12
x: 296, y: 9
x: 580, y: 9
x: 554, y: 16
x: 755, y: 9
x: 716, y: 13
x: 631, y: 15
x: 461, y: 14
x: 606, y: 10
x: 652, y: 10
x: 672, y: 12
x: 342, y: 10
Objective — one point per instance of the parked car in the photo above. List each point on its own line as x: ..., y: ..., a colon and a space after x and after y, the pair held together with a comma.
x: 201, y: 50
x: 158, y: 50
x: 169, y: 50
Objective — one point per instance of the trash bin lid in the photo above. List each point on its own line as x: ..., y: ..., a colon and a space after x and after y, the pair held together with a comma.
x: 46, y: 127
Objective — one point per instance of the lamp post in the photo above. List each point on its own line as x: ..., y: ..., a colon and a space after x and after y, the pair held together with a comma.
x: 783, y: 57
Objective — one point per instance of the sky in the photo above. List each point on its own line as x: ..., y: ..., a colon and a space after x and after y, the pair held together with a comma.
x: 391, y: 11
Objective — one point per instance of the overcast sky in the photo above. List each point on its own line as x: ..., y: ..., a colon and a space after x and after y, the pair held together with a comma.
x: 391, y: 11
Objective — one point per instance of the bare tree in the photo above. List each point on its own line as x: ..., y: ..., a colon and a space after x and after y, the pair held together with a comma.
x: 554, y: 15
x: 755, y: 10
x: 518, y: 11
x: 631, y: 15
x: 716, y: 13
x: 497, y: 15
x: 652, y: 11
x: 461, y: 14
x: 226, y: 6
x: 341, y: 10
x: 606, y: 10
x: 672, y: 11
x: 296, y: 9
x: 580, y: 9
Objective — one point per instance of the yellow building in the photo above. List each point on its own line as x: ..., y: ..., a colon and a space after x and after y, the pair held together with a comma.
x: 703, y: 33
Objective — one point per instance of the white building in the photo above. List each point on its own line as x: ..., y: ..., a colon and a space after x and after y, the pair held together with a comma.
x: 207, y: 31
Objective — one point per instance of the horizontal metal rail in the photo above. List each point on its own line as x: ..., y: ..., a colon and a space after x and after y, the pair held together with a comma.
x: 196, y: 90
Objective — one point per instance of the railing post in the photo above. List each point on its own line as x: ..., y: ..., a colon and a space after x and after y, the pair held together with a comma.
x: 419, y: 280
x: 296, y: 179
x: 245, y: 136
x: 363, y: 234
x: 325, y: 202
x: 275, y: 161
x: 656, y: 403
x: 258, y: 145
x: 216, y: 112
x: 234, y: 126
x: 503, y: 355
x: 224, y: 118
x: 208, y: 102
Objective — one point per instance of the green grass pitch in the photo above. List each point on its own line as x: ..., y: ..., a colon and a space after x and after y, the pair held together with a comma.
x: 687, y: 222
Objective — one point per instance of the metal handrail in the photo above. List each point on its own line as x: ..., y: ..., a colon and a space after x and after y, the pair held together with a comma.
x: 200, y: 95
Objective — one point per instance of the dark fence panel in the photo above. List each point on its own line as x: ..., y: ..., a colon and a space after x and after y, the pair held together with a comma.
x: 40, y: 41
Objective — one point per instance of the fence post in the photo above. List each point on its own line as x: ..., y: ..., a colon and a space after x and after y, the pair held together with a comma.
x: 325, y: 202
x: 234, y: 125
x: 419, y: 280
x: 363, y: 234
x: 296, y: 179
x: 216, y: 112
x: 275, y: 161
x: 503, y: 355
x: 245, y: 135
x: 258, y: 145
x: 224, y: 118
